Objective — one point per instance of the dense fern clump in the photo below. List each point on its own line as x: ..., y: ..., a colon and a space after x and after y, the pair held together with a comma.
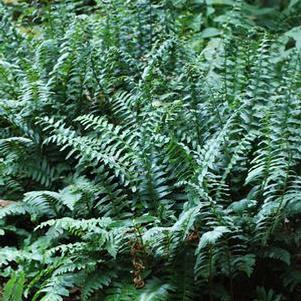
x: 150, y: 150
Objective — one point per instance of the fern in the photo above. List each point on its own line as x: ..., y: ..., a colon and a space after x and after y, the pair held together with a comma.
x: 150, y: 150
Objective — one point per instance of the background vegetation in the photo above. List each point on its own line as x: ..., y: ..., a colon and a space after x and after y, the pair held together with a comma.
x: 150, y: 150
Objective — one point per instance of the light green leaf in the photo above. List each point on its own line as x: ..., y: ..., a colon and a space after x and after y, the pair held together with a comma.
x: 210, y: 238
x: 293, y: 3
x: 210, y: 32
x: 70, y: 197
x: 220, y: 2
x: 195, y: 22
x: 13, y: 290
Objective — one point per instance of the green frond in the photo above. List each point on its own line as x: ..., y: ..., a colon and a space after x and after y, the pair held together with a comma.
x: 150, y: 150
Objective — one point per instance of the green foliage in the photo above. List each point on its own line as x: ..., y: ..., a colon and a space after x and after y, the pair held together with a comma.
x: 13, y: 290
x: 151, y: 150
